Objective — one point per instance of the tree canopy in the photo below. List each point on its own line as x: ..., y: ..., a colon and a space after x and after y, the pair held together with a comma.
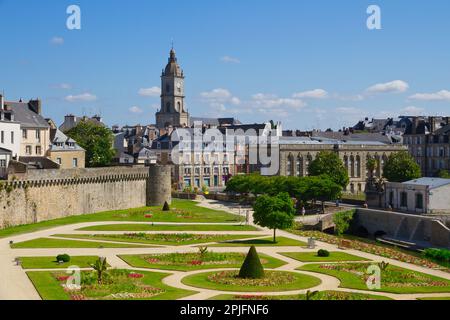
x: 314, y: 188
x: 274, y: 212
x: 401, y: 167
x: 97, y: 140
x: 329, y: 163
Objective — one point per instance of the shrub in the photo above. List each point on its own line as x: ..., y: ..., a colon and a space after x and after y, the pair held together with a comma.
x: 252, y: 267
x: 323, y: 253
x: 438, y: 254
x: 63, y: 257
x: 166, y: 207
x: 342, y: 221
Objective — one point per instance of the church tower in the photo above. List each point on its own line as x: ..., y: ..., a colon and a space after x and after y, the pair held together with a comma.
x: 173, y: 110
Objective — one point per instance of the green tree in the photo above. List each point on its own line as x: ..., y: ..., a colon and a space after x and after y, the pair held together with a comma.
x: 401, y: 167
x: 342, y: 221
x: 97, y: 140
x: 274, y: 212
x: 371, y: 165
x: 444, y: 174
x: 329, y: 163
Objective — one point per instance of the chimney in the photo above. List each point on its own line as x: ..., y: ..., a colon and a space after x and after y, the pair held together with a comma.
x: 35, y: 106
x: 415, y: 125
x: 432, y: 124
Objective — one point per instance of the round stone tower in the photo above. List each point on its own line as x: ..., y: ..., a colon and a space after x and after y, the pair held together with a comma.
x: 159, y: 185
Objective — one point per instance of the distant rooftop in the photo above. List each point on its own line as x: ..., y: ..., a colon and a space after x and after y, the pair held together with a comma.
x: 431, y: 182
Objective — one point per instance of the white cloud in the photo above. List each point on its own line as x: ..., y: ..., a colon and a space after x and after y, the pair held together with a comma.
x: 412, y: 111
x: 228, y: 59
x: 355, y: 97
x: 443, y: 95
x: 349, y: 110
x: 312, y: 94
x: 263, y: 100
x: 150, y: 92
x: 86, y: 97
x: 57, y: 41
x: 136, y: 110
x: 396, y: 86
x: 64, y: 86
x: 219, y: 98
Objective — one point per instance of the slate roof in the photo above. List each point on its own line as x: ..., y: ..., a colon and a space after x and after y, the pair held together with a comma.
x: 433, y: 183
x: 26, y: 117
x: 59, y: 137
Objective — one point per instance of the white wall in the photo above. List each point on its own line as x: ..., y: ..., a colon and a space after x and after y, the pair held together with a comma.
x: 440, y: 200
x: 7, y: 127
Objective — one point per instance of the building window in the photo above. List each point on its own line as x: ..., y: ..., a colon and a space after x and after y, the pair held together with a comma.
x: 59, y: 161
x: 38, y: 150
x: 391, y: 199
x: 419, y: 201
x: 2, y: 163
x: 75, y: 162
x: 24, y: 133
x: 2, y: 138
x: 403, y: 200
x: 38, y: 135
x: 28, y: 150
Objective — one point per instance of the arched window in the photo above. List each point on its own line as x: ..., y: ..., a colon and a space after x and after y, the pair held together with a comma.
x: 289, y: 166
x: 299, y: 166
x: 358, y: 166
x: 179, y: 106
x: 352, y: 166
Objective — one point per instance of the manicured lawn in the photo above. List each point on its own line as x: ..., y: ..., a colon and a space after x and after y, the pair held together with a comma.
x: 168, y: 227
x: 322, y: 295
x: 181, y: 211
x: 51, y: 263
x: 274, y: 281
x: 117, y: 285
x: 174, y: 239
x: 62, y: 243
x: 313, y: 257
x: 393, y: 279
x: 264, y: 242
x: 195, y: 261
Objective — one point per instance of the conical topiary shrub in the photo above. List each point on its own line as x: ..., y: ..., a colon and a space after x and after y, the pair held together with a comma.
x: 252, y: 267
x: 166, y: 206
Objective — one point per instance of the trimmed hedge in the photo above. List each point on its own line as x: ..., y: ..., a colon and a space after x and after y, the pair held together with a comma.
x: 323, y: 253
x: 252, y: 267
x: 442, y: 255
x: 63, y: 257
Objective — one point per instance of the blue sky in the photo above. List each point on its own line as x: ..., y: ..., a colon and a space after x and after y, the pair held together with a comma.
x: 308, y: 64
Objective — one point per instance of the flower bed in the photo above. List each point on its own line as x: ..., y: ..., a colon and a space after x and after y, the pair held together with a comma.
x: 117, y: 284
x: 271, y: 279
x: 393, y: 279
x: 274, y: 281
x: 379, y: 250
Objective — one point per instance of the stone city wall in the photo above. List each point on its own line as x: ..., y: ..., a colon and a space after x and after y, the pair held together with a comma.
x: 50, y: 194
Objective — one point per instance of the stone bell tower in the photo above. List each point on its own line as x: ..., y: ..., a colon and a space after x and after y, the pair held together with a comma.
x: 173, y: 109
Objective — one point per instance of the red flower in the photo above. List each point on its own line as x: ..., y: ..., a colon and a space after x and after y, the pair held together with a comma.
x: 135, y: 275
x: 62, y: 278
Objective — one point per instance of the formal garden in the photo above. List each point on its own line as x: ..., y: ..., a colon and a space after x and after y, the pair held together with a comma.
x: 187, y: 250
x: 393, y: 279
x: 116, y: 284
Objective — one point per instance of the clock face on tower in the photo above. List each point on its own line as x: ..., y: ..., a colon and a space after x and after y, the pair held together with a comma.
x: 179, y: 86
